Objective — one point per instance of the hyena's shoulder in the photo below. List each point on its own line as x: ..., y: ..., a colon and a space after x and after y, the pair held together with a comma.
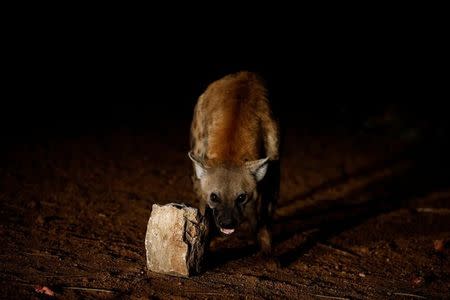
x: 232, y: 119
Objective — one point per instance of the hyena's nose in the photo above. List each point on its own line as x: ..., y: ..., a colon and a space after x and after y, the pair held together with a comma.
x: 227, y: 223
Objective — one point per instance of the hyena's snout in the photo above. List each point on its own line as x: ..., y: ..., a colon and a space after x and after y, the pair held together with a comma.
x: 226, y: 221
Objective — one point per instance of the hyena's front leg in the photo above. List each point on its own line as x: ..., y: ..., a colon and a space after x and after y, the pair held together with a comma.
x: 261, y: 235
x: 269, y: 199
x: 265, y: 241
x: 264, y: 238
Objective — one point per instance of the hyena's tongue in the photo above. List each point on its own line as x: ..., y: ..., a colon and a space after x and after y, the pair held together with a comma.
x: 227, y: 231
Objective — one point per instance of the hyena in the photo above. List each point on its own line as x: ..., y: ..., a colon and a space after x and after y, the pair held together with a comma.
x: 234, y: 140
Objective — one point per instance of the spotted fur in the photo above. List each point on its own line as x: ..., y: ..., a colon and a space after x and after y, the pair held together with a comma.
x: 233, y: 137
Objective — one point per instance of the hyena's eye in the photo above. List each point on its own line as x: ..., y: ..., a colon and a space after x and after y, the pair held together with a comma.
x: 214, y: 198
x: 241, y: 198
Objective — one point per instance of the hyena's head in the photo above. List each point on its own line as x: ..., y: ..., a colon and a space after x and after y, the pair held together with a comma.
x: 229, y: 191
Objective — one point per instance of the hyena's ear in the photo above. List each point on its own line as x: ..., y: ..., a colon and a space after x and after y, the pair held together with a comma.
x: 200, y: 169
x: 258, y: 167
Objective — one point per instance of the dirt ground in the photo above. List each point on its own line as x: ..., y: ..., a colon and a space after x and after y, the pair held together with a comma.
x: 362, y: 215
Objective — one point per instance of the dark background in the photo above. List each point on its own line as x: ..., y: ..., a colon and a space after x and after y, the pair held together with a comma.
x: 65, y: 82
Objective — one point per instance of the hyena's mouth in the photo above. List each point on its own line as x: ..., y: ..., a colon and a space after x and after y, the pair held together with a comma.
x: 227, y: 231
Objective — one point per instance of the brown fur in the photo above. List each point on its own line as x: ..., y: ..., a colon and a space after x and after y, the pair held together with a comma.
x: 235, y: 122
x: 234, y: 137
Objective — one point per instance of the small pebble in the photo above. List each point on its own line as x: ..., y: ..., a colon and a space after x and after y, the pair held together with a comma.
x: 417, y: 280
x: 40, y: 220
x: 363, y: 250
x: 32, y: 204
x: 439, y: 245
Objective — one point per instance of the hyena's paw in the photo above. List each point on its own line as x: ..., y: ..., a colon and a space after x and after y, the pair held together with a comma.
x: 269, y: 260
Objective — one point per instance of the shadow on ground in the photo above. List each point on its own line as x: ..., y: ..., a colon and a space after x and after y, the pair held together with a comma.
x: 411, y: 174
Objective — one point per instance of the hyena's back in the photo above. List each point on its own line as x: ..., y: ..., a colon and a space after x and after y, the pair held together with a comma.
x: 233, y: 122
